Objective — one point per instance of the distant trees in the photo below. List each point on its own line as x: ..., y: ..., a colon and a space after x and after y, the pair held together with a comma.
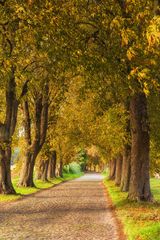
x: 114, y: 33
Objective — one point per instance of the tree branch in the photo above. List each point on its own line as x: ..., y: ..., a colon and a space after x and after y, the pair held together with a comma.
x: 24, y: 90
x: 28, y: 65
x: 87, y: 23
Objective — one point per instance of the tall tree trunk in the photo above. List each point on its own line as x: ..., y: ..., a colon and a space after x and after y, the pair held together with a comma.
x: 40, y: 169
x: 118, y: 173
x: 61, y: 168
x: 126, y: 168
x: 139, y: 188
x: 52, y: 165
x: 112, y: 169
x: 40, y: 128
x: 26, y: 178
x: 43, y: 170
x: 6, y: 186
x: 126, y: 165
x: 7, y: 130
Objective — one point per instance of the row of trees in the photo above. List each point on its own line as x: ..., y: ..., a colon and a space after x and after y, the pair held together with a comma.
x: 32, y: 81
x: 119, y: 56
x: 77, y: 74
x: 113, y: 35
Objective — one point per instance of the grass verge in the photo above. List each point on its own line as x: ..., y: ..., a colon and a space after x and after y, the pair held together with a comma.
x: 141, y: 221
x: 21, y: 191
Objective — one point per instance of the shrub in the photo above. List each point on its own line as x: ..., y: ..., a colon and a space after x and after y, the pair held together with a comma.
x: 66, y: 168
x: 74, y: 168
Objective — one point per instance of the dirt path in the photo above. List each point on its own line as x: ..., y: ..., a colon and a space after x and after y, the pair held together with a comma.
x: 73, y: 210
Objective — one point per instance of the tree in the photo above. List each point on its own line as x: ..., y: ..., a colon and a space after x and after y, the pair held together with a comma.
x: 115, y: 31
x: 52, y: 165
x: 40, y: 121
x: 14, y: 89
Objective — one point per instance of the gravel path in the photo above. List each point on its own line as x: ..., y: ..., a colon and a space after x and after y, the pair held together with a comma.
x: 73, y: 210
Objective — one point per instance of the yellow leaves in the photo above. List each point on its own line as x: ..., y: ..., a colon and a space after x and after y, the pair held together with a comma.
x: 144, y: 74
x: 111, y: 126
x: 20, y: 9
x: 134, y: 71
x: 7, y: 63
x: 146, y: 89
x: 116, y: 22
x: 127, y: 35
x: 140, y: 16
x: 152, y: 62
x: 153, y: 39
x: 143, y: 16
x: 28, y: 61
x: 144, y: 77
x: 131, y: 54
x: 155, y: 84
x: 93, y: 14
x: 124, y: 37
x: 153, y: 32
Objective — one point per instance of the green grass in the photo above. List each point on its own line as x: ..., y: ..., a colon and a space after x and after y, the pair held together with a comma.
x: 70, y: 176
x: 21, y: 191
x: 105, y: 172
x: 141, y: 220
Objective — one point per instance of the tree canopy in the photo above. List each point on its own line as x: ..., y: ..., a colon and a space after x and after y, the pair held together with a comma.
x: 78, y: 75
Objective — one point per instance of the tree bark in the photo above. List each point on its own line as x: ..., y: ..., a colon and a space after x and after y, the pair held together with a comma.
x: 52, y: 165
x: 139, y: 188
x: 118, y: 173
x: 43, y: 170
x: 40, y: 169
x: 112, y: 169
x: 26, y: 178
x: 40, y: 128
x: 126, y: 168
x: 6, y: 132
x: 61, y: 168
x: 6, y: 186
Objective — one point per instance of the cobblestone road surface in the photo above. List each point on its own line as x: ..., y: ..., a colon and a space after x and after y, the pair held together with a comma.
x: 73, y: 210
